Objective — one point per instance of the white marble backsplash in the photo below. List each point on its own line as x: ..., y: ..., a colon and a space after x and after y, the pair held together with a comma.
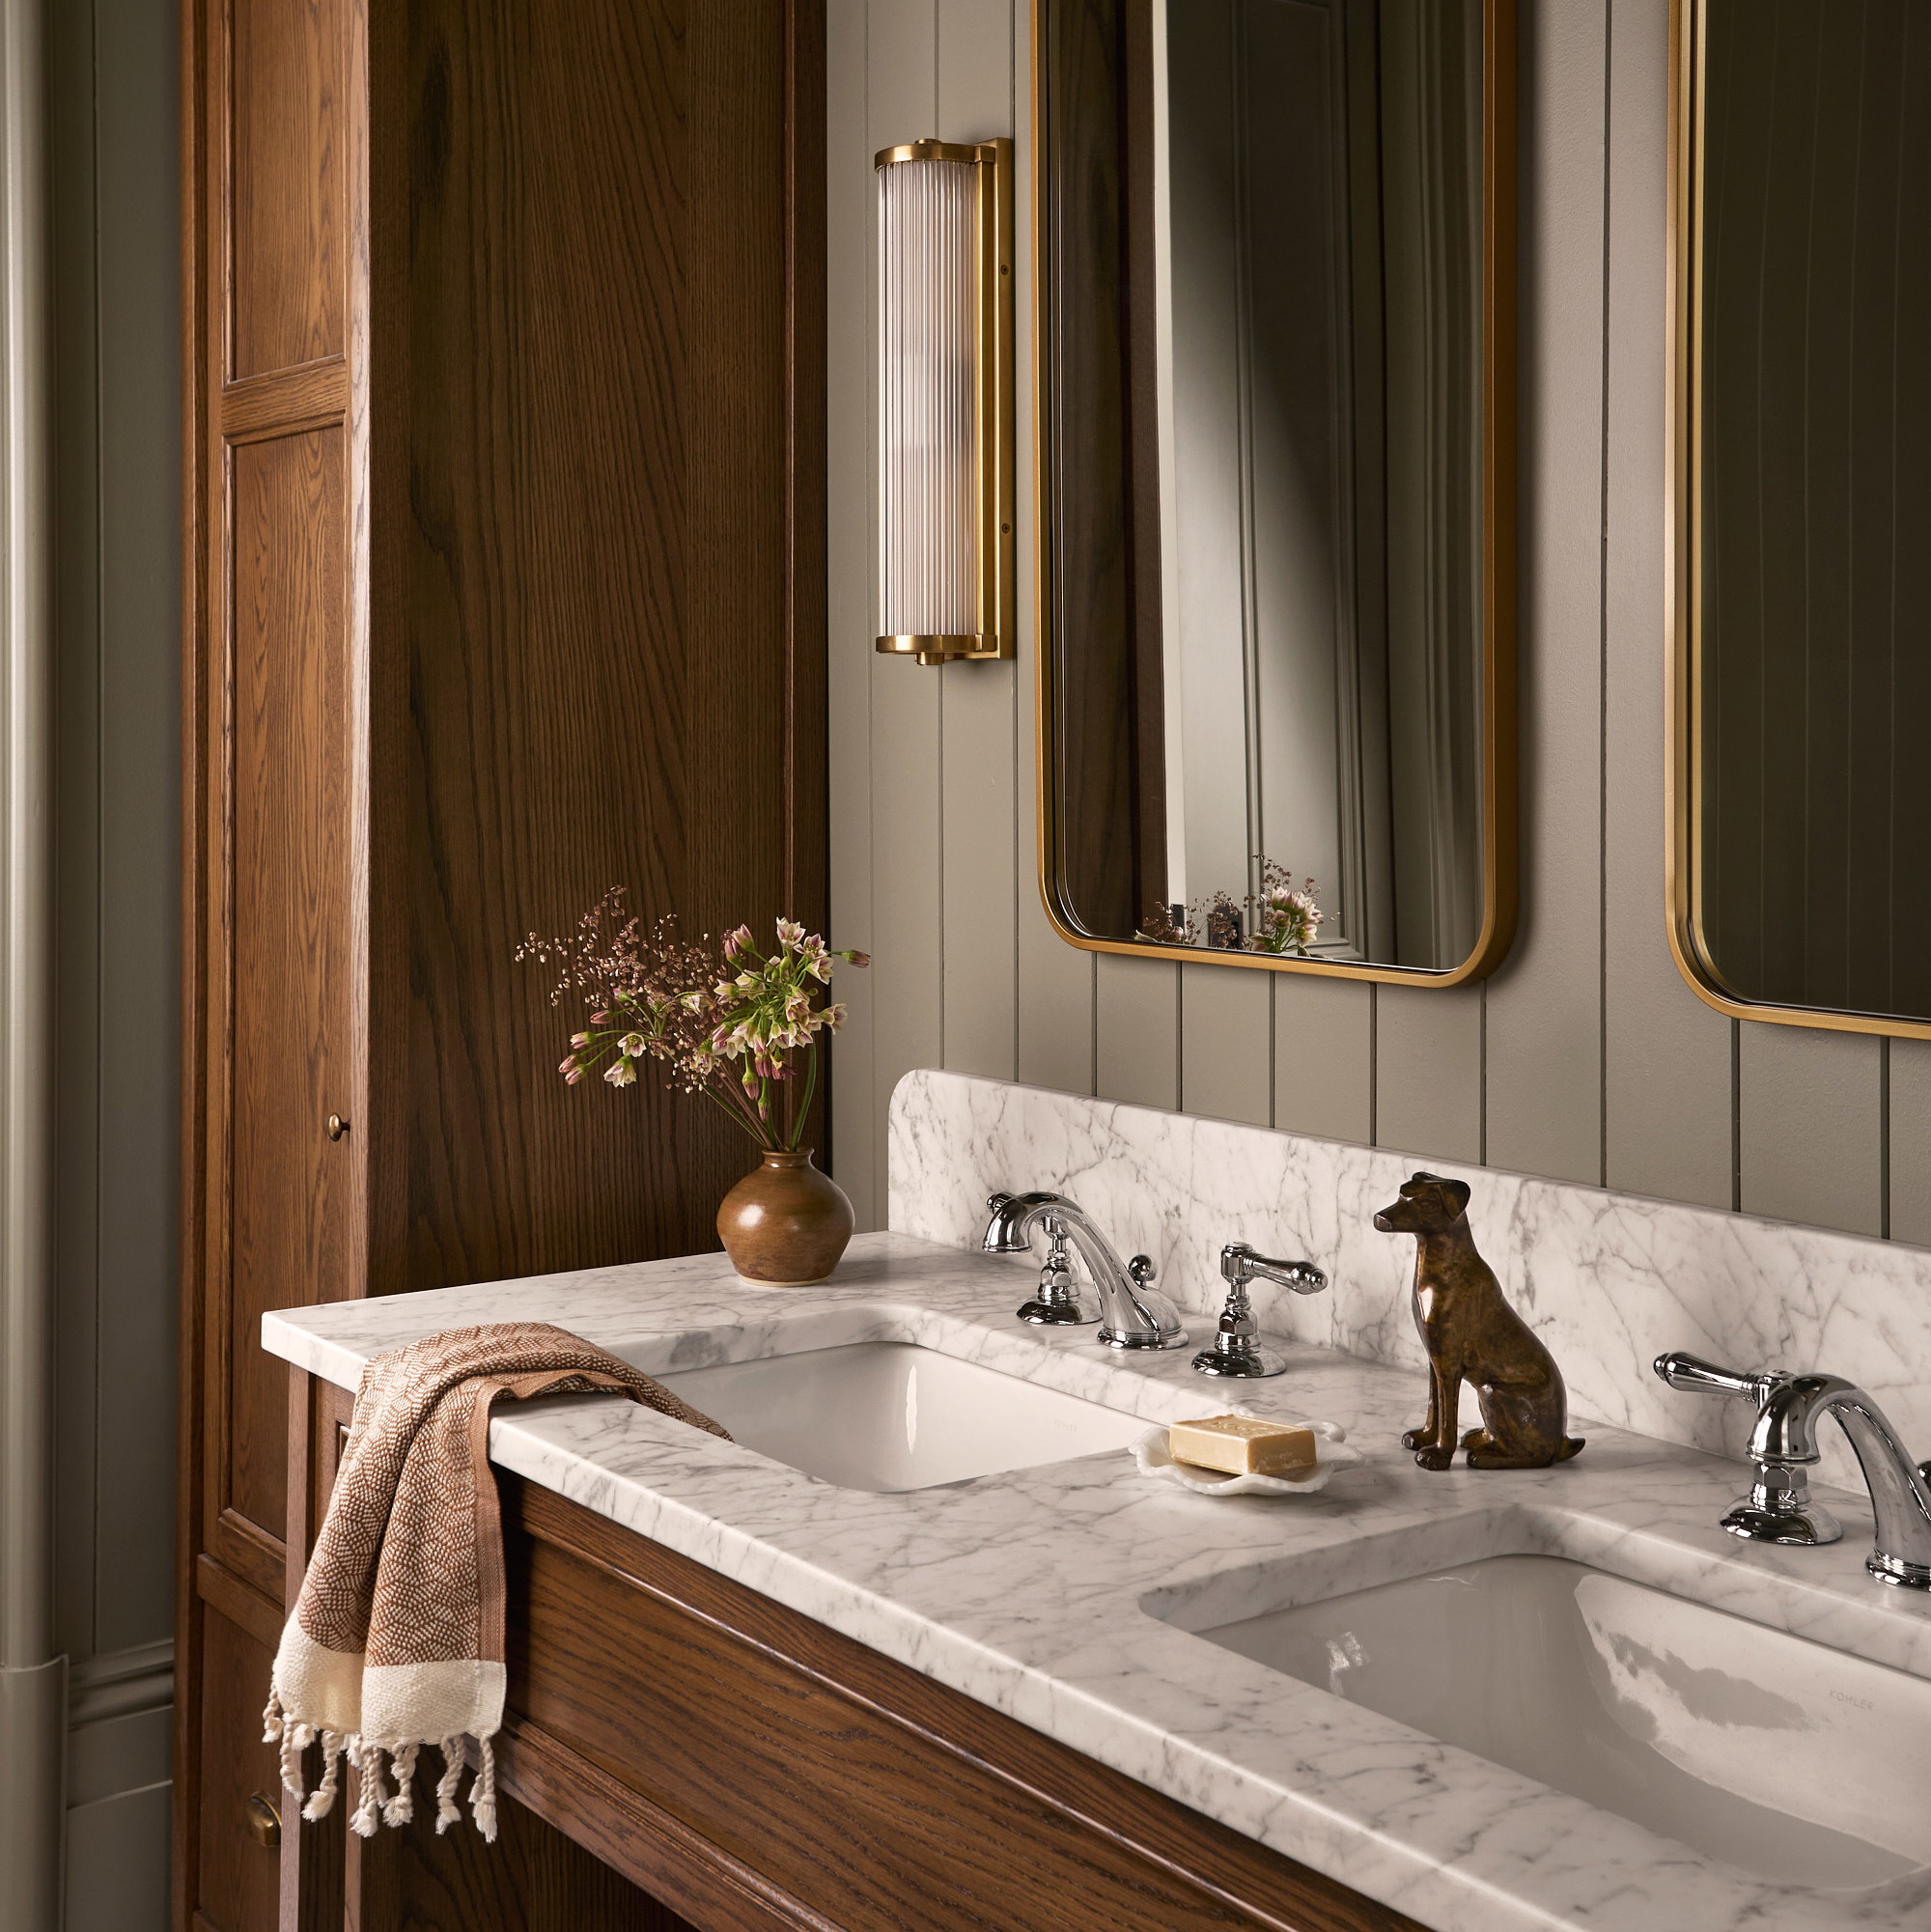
x: 1608, y: 1280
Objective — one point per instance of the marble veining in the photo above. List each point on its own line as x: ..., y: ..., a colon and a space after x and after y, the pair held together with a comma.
x: 1067, y: 1596
x: 1608, y: 1280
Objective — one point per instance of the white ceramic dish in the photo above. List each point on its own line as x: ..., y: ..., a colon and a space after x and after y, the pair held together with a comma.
x: 1155, y: 1460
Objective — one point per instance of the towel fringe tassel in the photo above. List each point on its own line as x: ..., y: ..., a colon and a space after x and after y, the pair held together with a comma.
x: 376, y: 1805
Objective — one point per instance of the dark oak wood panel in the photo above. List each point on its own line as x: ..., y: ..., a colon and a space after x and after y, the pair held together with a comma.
x: 505, y: 581
x: 293, y: 1218
x: 532, y: 1877
x: 604, y: 651
x: 291, y: 104
x: 652, y: 1847
x: 238, y: 1601
x: 240, y: 1878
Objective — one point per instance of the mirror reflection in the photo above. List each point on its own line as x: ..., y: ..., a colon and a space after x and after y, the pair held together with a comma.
x: 1810, y: 594
x: 1269, y: 475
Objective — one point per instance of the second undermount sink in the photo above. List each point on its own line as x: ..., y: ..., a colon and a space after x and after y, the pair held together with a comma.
x: 894, y: 1416
x: 1789, y: 1760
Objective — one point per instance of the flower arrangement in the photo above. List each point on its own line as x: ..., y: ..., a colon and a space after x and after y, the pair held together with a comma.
x: 736, y: 1025
x: 1281, y: 918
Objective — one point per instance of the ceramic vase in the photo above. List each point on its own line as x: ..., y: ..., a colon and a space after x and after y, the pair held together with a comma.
x: 785, y: 1225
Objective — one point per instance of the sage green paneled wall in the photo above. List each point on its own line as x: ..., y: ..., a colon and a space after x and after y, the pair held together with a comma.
x: 113, y: 76
x: 1586, y: 1057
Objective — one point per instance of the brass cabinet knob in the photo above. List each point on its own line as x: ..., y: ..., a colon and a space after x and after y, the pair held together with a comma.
x: 265, y: 1821
x: 337, y: 1126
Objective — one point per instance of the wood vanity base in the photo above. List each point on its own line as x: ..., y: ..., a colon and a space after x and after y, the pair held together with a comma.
x: 745, y: 1769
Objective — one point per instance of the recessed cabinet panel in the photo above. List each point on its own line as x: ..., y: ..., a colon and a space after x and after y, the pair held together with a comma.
x: 290, y: 135
x: 291, y: 1205
x: 240, y: 1869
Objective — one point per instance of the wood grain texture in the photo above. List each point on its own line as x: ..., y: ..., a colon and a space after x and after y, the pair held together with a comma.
x: 656, y: 1850
x: 293, y: 1219
x: 604, y: 644
x: 1545, y: 1042
x: 237, y: 1881
x: 534, y: 1879
x: 512, y: 349
x: 289, y: 100
x: 871, y: 1795
x: 309, y: 395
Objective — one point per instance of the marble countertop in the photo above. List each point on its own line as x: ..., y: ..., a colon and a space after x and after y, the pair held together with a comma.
x: 1030, y: 1590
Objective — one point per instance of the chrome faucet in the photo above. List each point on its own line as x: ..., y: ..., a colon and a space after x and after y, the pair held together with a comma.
x: 1238, y: 1349
x: 1132, y: 1316
x: 1783, y: 1446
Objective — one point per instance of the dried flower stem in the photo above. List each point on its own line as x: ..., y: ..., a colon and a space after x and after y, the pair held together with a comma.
x: 734, y: 1025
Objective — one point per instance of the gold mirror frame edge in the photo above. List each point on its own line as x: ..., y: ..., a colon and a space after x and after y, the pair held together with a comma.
x: 1499, y: 775
x: 1682, y: 537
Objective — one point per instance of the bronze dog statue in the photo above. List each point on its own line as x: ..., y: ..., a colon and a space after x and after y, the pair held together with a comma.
x: 1471, y: 1335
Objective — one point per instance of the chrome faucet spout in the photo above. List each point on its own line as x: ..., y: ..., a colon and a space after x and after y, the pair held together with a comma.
x: 1132, y: 1316
x: 1784, y: 1445
x: 1900, y: 1501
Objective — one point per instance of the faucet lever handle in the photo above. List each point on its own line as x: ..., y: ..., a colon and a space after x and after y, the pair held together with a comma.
x: 1694, y: 1376
x: 1240, y: 1264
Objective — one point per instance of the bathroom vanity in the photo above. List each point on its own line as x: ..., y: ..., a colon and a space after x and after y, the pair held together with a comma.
x: 983, y: 1672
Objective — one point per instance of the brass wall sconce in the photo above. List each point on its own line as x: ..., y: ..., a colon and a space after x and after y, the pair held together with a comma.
x: 946, y: 545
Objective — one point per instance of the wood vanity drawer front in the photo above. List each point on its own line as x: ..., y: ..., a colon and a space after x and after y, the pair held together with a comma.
x: 866, y: 1796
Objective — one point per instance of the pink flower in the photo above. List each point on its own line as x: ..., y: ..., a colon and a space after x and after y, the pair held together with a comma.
x: 736, y: 942
x: 620, y: 1073
x: 570, y: 1065
x: 632, y: 1043
x: 575, y: 1075
x: 790, y: 932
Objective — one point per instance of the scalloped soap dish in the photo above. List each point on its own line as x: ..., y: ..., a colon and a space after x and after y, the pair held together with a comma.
x: 1155, y: 1460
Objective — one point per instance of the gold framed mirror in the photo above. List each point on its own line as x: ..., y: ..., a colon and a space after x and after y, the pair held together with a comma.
x: 1273, y: 285
x: 1800, y: 628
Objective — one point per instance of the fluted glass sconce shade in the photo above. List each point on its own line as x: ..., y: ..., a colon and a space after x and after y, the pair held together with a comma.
x: 946, y: 547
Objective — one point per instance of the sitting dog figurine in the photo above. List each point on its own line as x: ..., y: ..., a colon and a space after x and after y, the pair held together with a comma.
x: 1471, y: 1335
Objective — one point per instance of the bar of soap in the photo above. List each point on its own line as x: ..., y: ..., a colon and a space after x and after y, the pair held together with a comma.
x: 1243, y: 1445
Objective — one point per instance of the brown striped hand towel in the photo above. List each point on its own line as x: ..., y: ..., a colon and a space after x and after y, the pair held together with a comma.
x: 397, y: 1638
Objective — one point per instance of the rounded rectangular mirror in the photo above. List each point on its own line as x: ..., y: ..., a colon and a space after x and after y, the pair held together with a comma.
x: 1273, y: 253
x: 1799, y: 792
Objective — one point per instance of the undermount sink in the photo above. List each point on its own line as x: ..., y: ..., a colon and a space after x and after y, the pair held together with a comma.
x: 1788, y: 1760
x: 894, y: 1416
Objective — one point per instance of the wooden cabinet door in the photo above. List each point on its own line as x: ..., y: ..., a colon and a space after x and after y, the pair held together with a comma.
x: 238, y: 1866
x: 278, y: 683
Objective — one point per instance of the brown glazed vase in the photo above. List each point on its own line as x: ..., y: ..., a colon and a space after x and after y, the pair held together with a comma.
x: 785, y: 1225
